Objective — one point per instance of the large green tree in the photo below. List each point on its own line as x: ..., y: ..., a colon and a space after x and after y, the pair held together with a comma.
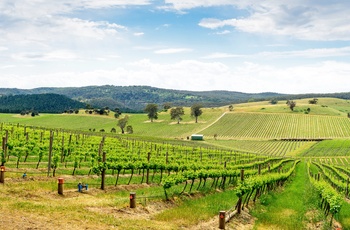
x: 176, y: 113
x: 152, y: 111
x: 122, y: 122
x: 196, y: 111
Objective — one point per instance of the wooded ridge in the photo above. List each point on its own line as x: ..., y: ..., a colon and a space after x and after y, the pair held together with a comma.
x: 135, y: 98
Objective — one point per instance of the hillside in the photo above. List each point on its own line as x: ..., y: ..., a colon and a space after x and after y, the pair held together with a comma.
x: 135, y: 98
x: 42, y: 103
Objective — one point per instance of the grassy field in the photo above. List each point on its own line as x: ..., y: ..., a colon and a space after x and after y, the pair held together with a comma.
x: 255, y: 128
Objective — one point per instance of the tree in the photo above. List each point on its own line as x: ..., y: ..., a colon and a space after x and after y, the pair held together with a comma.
x: 129, y: 129
x: 117, y: 112
x: 152, y: 111
x: 230, y: 107
x: 313, y: 101
x: 176, y: 113
x: 166, y: 106
x: 122, y: 122
x: 291, y: 104
x: 273, y: 101
x: 196, y: 111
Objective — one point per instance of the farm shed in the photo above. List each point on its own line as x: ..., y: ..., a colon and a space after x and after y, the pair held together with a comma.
x: 197, y: 137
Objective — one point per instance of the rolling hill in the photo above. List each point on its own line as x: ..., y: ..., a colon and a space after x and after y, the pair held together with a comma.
x: 42, y: 103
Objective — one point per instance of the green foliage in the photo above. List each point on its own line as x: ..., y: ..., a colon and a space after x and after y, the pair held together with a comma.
x: 152, y: 111
x: 167, y: 105
x: 42, y: 103
x: 291, y: 104
x: 196, y: 111
x: 331, y: 198
x: 122, y: 122
x: 177, y: 113
x: 273, y: 101
x: 313, y: 101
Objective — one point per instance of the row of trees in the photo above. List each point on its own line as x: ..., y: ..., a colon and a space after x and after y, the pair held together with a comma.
x: 175, y: 113
x: 152, y: 113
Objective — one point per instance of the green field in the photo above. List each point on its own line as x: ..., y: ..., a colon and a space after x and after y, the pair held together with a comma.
x: 201, y: 174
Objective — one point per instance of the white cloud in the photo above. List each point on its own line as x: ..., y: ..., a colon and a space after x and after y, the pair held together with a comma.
x: 57, y: 54
x: 112, y: 3
x: 308, y: 53
x: 172, y: 50
x: 7, y: 66
x: 189, y: 4
x: 139, y: 34
x: 223, y: 32
x: 31, y: 9
x: 323, y: 77
x: 300, y: 19
x: 221, y: 55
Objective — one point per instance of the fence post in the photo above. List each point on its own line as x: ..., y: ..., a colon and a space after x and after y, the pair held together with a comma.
x: 259, y: 169
x: 242, y: 174
x: 2, y: 174
x: 222, y: 219
x: 60, y: 186
x: 103, y: 173
x: 147, y: 174
x: 132, y: 199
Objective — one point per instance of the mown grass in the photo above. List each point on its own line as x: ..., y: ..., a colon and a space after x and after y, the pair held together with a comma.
x: 294, y: 207
x: 162, y: 127
x: 344, y: 215
x: 37, y: 199
x: 192, y: 211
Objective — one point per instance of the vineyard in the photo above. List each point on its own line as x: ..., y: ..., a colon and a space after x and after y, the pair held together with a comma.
x: 279, y: 126
x: 89, y: 179
x: 265, y: 147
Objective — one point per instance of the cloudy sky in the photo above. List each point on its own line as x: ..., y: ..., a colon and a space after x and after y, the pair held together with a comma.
x: 299, y: 46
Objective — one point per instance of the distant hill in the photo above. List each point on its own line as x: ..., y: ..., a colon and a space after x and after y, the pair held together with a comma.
x: 135, y: 98
x: 41, y: 103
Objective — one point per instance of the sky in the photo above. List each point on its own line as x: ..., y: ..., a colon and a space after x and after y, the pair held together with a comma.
x: 251, y: 46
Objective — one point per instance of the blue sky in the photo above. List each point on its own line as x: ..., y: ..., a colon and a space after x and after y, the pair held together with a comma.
x: 299, y: 46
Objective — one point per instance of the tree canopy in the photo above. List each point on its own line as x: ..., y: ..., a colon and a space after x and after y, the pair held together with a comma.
x: 291, y: 104
x: 122, y: 122
x: 152, y: 111
x: 176, y: 113
x: 196, y: 111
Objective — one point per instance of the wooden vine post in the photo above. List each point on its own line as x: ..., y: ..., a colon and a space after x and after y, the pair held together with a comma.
x: 242, y: 175
x: 239, y: 203
x: 132, y: 199
x: 148, y: 159
x: 50, y: 154
x: 2, y: 174
x: 103, y: 171
x: 60, y: 186
x: 62, y: 149
x: 222, y: 219
x: 4, y: 141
